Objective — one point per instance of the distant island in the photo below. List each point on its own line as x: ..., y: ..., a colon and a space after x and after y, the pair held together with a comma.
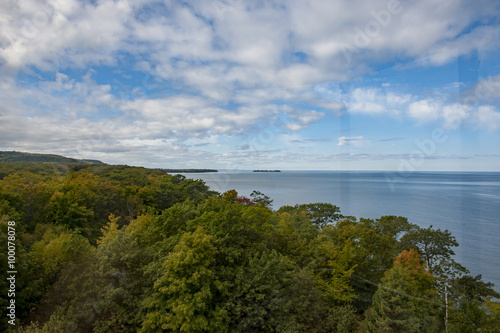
x: 267, y: 171
x: 189, y: 170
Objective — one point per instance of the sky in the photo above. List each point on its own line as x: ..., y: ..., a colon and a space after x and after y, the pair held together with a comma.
x: 232, y: 84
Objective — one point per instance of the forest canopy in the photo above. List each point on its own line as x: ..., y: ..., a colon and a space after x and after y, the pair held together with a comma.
x: 113, y: 248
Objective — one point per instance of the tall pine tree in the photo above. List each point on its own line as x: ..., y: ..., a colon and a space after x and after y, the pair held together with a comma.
x: 404, y: 300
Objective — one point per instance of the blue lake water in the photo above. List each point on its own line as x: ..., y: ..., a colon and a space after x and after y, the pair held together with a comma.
x: 467, y: 204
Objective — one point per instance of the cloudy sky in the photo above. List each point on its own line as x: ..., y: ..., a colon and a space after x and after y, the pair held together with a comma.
x: 233, y: 84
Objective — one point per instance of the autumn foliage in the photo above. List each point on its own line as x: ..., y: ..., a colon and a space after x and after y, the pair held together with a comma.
x: 106, y: 248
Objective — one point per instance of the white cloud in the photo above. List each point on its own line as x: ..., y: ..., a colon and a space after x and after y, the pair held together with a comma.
x: 352, y: 140
x: 456, y: 114
x: 242, y: 36
x: 230, y: 65
x: 293, y: 126
x: 301, y: 118
x: 53, y: 34
x: 487, y: 89
x: 425, y: 110
x: 488, y: 117
x: 188, y: 116
x: 374, y: 101
x: 481, y: 38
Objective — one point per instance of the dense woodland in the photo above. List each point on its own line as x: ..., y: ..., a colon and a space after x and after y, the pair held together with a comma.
x: 104, y: 248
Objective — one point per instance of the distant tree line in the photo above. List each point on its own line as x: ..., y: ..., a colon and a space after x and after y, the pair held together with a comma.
x: 15, y: 156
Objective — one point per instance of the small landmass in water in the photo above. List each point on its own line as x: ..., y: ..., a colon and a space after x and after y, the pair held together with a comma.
x: 189, y: 170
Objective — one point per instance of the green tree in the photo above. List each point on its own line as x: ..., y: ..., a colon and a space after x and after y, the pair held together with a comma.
x: 84, y: 202
x: 394, y: 226
x: 53, y: 252
x: 65, y: 210
x: 435, y: 247
x: 333, y: 268
x: 56, y: 324
x: 255, y: 299
x: 291, y: 235
x: 321, y: 214
x: 120, y: 265
x: 405, y: 300
x: 261, y: 199
x: 470, y: 300
x: 29, y: 193
x: 183, y: 298
x: 373, y: 248
x: 50, y: 254
x: 492, y: 309
x: 42, y: 267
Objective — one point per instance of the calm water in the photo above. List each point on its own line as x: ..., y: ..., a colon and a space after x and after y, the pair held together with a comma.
x: 467, y: 204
